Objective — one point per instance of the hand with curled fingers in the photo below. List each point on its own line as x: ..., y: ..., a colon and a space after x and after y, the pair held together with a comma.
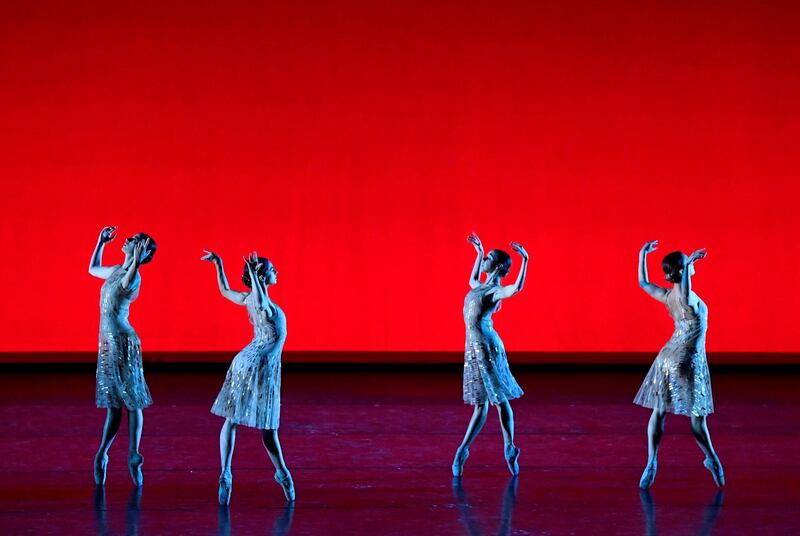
x: 516, y: 246
x: 476, y: 242
x: 107, y: 234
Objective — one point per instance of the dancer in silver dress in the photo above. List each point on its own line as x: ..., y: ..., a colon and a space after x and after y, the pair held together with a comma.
x: 678, y: 381
x: 120, y: 377
x: 250, y: 395
x: 487, y: 378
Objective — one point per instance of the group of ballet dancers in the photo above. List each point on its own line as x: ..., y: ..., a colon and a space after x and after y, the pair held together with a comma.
x: 678, y: 382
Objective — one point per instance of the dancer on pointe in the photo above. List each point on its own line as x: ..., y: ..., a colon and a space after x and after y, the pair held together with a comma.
x: 251, y: 393
x: 487, y: 378
x: 120, y: 377
x: 678, y: 381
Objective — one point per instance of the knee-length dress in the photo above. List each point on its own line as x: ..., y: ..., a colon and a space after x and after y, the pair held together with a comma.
x: 487, y: 377
x: 251, y: 393
x: 678, y: 381
x: 119, y: 375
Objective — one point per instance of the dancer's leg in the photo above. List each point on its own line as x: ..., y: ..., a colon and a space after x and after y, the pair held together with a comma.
x: 282, y: 476
x: 110, y: 429
x: 506, y: 415
x: 273, y: 447
x: 227, y: 440
x: 475, y: 425
x: 135, y: 424
x: 473, y: 429
x: 135, y: 459
x: 655, y: 431
x: 703, y: 438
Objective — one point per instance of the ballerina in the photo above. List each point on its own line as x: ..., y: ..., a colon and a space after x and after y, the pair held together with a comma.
x: 678, y: 381
x: 120, y: 376
x: 250, y: 395
x: 487, y: 378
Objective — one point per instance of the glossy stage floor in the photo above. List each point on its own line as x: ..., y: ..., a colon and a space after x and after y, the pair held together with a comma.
x: 370, y: 452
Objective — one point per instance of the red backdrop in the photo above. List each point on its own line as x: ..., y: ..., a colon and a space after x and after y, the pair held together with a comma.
x: 358, y: 143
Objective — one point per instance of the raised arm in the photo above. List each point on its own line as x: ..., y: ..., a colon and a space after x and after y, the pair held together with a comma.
x: 655, y: 291
x: 222, y: 281
x: 509, y: 290
x: 139, y: 252
x: 686, y: 276
x: 259, y: 287
x: 96, y: 267
x: 475, y: 276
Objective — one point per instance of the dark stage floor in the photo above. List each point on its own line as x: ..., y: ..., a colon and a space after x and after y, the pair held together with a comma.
x: 371, y: 451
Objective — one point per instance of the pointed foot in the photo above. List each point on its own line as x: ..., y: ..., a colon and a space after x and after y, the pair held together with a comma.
x: 287, y: 484
x: 135, y: 461
x: 512, y: 458
x: 715, y: 468
x: 100, y: 466
x: 225, y: 488
x: 648, y: 475
x: 459, y: 460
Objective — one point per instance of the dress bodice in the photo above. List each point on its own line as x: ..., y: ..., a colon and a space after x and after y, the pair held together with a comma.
x: 115, y: 300
x: 478, y: 309
x: 265, y: 328
x: 690, y: 324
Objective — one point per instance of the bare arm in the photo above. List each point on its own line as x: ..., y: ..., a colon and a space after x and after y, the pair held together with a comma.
x: 259, y: 287
x: 475, y: 275
x: 659, y: 293
x: 96, y: 267
x: 686, y: 276
x: 222, y: 281
x: 509, y: 290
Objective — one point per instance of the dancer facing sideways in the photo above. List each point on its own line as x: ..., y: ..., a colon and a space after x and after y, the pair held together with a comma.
x: 487, y: 378
x: 678, y: 381
x: 251, y: 393
x: 120, y: 376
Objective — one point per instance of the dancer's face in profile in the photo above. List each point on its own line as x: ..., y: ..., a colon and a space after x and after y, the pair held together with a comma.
x: 487, y: 264
x: 130, y: 244
x: 267, y: 274
x: 270, y: 276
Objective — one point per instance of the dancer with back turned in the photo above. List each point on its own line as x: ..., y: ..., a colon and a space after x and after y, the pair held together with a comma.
x: 251, y: 393
x: 678, y: 381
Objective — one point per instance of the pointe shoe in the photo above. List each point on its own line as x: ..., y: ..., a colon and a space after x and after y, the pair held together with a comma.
x: 286, y: 483
x: 100, y: 465
x: 648, y: 475
x: 458, y: 462
x: 512, y: 457
x: 225, y: 488
x: 716, y: 471
x: 135, y: 461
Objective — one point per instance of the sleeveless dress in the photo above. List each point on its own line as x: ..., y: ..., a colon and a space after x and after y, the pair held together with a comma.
x: 251, y: 393
x: 120, y: 376
x: 678, y: 381
x: 486, y: 373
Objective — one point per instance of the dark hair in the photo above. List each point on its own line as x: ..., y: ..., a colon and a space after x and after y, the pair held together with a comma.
x: 151, y: 248
x: 673, y: 264
x: 261, y: 271
x: 502, y: 261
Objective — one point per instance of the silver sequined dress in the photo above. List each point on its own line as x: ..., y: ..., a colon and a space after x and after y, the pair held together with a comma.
x: 486, y: 373
x: 251, y: 393
x: 120, y: 377
x: 678, y: 381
